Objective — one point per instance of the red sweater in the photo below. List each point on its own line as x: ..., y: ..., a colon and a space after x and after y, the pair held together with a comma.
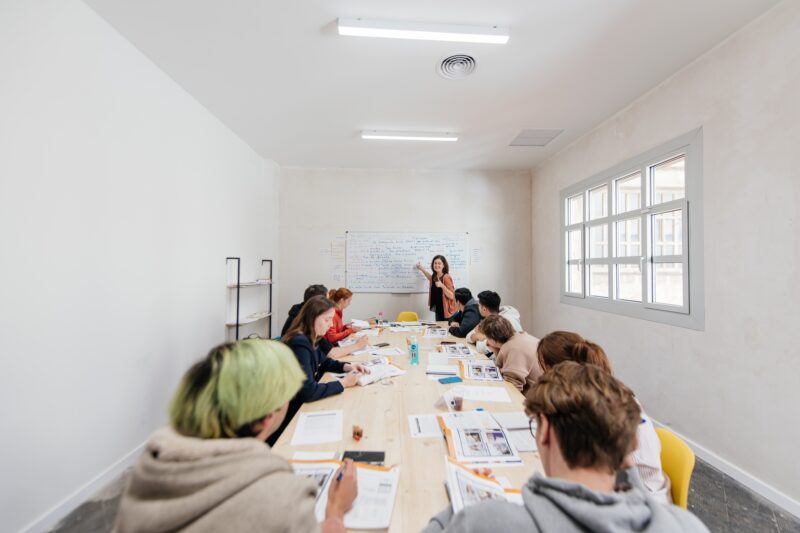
x: 337, y: 330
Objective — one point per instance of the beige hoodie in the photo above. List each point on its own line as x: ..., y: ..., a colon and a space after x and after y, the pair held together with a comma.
x: 197, y: 485
x: 517, y: 360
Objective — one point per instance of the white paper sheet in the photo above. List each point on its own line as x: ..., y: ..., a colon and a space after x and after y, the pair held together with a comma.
x: 379, y: 372
x: 458, y: 350
x: 512, y: 419
x: 367, y: 333
x: 435, y: 332
x: 318, y: 427
x: 363, y: 324
x: 481, y: 394
x: 400, y: 329
x: 388, y: 351
x: 424, y: 426
x: 437, y: 359
x: 522, y: 439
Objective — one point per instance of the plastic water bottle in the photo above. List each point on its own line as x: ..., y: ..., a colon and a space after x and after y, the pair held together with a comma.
x: 414, y: 350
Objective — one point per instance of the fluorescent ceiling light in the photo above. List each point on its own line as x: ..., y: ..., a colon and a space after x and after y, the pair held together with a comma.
x: 423, y: 31
x: 408, y: 136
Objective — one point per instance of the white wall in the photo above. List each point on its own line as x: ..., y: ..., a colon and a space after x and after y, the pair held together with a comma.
x: 735, y: 387
x: 319, y: 204
x: 120, y: 197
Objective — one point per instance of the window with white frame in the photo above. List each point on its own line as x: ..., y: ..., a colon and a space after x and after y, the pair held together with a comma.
x: 627, y: 232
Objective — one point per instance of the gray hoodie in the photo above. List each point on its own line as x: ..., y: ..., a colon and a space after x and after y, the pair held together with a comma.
x: 565, y: 507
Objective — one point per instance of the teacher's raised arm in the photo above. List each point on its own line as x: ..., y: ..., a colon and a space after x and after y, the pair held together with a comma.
x: 441, y: 298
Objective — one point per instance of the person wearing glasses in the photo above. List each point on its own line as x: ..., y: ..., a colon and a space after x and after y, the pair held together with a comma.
x: 210, y: 469
x: 586, y: 423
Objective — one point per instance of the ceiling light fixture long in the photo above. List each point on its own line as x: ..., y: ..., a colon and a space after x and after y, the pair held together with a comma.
x: 359, y: 27
x: 408, y: 136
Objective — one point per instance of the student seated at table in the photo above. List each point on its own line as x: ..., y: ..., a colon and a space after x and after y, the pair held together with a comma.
x: 303, y: 338
x: 467, y: 315
x: 586, y: 424
x: 514, y: 352
x: 339, y: 330
x: 561, y: 346
x: 311, y: 291
x: 489, y: 304
x: 210, y: 469
x: 441, y: 297
x: 331, y: 350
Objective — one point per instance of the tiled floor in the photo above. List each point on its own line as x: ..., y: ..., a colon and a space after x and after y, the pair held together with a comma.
x: 721, y: 503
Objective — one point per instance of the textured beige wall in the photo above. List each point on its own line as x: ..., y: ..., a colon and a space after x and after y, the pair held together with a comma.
x: 735, y: 387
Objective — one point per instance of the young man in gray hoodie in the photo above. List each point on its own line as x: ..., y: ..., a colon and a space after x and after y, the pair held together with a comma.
x: 582, y: 492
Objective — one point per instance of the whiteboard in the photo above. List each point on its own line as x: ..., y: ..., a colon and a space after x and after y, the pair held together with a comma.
x: 385, y: 261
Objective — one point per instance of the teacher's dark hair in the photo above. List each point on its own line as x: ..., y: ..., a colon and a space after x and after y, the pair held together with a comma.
x: 445, y: 269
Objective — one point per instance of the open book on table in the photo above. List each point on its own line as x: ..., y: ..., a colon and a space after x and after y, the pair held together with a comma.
x: 475, y: 437
x: 377, y: 488
x: 468, y: 488
x: 380, y: 368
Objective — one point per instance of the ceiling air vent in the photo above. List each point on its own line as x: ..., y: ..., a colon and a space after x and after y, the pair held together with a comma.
x: 535, y: 137
x: 456, y: 67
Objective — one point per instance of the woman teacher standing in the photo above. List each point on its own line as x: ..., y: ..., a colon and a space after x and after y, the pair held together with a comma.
x: 442, y: 298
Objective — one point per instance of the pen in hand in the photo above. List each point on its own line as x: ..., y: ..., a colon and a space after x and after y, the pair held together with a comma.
x: 341, y: 472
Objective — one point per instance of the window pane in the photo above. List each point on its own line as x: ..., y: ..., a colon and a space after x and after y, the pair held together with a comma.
x: 574, y: 279
x: 629, y: 282
x: 598, y: 202
x: 668, y: 283
x: 598, y: 280
x: 598, y: 241
x: 574, y: 244
x: 575, y: 210
x: 669, y: 180
x: 628, y: 238
x: 629, y: 192
x: 668, y: 233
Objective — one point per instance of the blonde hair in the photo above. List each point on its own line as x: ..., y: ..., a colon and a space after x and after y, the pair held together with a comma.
x: 235, y: 385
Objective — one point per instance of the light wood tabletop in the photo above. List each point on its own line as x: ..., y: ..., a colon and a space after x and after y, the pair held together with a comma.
x: 382, y: 410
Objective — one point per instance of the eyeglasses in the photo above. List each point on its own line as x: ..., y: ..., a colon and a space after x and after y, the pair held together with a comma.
x: 532, y: 427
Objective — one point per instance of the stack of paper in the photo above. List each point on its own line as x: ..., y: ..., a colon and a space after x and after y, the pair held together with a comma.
x: 442, y: 370
x: 475, y: 437
x: 437, y: 358
x: 468, y: 488
x: 390, y: 350
x: 377, y: 488
x: 367, y: 333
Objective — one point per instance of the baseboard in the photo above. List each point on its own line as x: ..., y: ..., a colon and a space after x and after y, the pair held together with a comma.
x: 74, y: 500
x: 769, y: 492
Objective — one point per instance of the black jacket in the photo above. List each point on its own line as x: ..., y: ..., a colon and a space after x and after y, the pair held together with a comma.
x: 293, y: 312
x: 467, y: 319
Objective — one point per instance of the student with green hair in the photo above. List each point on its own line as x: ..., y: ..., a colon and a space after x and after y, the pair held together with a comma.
x: 211, y: 470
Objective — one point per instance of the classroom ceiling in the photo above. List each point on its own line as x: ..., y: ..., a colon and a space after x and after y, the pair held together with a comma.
x: 278, y: 74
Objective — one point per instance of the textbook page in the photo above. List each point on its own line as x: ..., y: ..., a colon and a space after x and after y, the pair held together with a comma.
x: 318, y: 427
x: 468, y: 488
x: 377, y: 488
x: 480, y: 371
x: 512, y: 419
x: 424, y: 426
x: 475, y: 437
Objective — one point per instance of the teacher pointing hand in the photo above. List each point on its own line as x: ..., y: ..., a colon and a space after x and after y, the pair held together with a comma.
x: 441, y: 298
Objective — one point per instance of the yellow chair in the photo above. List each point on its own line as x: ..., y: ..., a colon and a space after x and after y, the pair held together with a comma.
x: 677, y: 461
x: 407, y: 316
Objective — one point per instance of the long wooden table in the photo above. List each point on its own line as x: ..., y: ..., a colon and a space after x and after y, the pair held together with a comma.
x: 382, y: 410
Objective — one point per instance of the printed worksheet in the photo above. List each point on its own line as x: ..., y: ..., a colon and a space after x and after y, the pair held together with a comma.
x: 475, y: 437
x: 480, y: 371
x: 435, y: 332
x: 481, y: 394
x: 318, y: 427
x: 424, y: 426
x: 457, y: 351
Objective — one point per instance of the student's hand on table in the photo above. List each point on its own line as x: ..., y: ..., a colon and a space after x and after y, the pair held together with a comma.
x: 342, y: 493
x: 356, y: 367
x: 454, y: 324
x: 350, y: 380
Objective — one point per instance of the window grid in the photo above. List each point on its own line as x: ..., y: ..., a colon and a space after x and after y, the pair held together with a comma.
x: 662, y: 240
